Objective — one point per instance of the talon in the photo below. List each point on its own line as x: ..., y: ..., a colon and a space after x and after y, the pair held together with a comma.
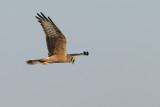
x: 45, y: 63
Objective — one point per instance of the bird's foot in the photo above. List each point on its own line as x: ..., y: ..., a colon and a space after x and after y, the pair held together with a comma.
x: 45, y: 63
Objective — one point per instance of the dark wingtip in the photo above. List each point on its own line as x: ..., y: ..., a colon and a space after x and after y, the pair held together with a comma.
x: 44, y: 16
x: 50, y: 20
x: 86, y: 53
x: 38, y: 14
x: 37, y: 17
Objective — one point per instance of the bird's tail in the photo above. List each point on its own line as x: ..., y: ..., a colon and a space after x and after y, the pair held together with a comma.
x: 31, y: 62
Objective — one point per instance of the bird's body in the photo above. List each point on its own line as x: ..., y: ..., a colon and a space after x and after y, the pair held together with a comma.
x: 58, y: 58
x: 56, y: 44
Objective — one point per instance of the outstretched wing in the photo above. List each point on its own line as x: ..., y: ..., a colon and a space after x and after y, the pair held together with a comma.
x: 80, y: 54
x: 56, y: 41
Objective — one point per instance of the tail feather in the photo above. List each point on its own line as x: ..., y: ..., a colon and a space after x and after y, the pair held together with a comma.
x: 31, y: 62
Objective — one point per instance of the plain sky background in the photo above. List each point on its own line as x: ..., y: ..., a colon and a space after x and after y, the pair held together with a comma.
x: 122, y: 70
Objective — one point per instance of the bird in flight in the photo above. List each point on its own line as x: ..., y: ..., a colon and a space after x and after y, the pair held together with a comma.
x: 56, y: 44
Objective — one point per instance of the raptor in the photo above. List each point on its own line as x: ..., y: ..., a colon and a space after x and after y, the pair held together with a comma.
x: 56, y: 44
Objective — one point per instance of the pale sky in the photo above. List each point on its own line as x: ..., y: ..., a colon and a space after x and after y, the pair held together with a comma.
x: 122, y: 70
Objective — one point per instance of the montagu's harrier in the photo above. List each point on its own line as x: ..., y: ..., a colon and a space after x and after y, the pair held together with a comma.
x: 56, y: 44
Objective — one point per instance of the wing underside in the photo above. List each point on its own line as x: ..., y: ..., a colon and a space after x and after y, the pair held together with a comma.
x: 56, y: 41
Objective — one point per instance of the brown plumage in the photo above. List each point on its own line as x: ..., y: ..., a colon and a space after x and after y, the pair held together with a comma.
x: 56, y: 44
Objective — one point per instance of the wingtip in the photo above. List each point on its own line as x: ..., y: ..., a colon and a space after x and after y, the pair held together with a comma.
x: 86, y: 53
x: 41, y: 13
x: 38, y: 14
x: 37, y: 17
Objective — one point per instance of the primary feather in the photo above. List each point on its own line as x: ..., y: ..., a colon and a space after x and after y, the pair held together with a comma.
x: 56, y: 41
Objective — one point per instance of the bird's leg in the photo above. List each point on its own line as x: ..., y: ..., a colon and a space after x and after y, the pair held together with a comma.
x: 45, y: 63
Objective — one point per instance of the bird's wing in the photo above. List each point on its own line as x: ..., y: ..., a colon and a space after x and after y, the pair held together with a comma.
x: 80, y: 54
x: 56, y: 41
